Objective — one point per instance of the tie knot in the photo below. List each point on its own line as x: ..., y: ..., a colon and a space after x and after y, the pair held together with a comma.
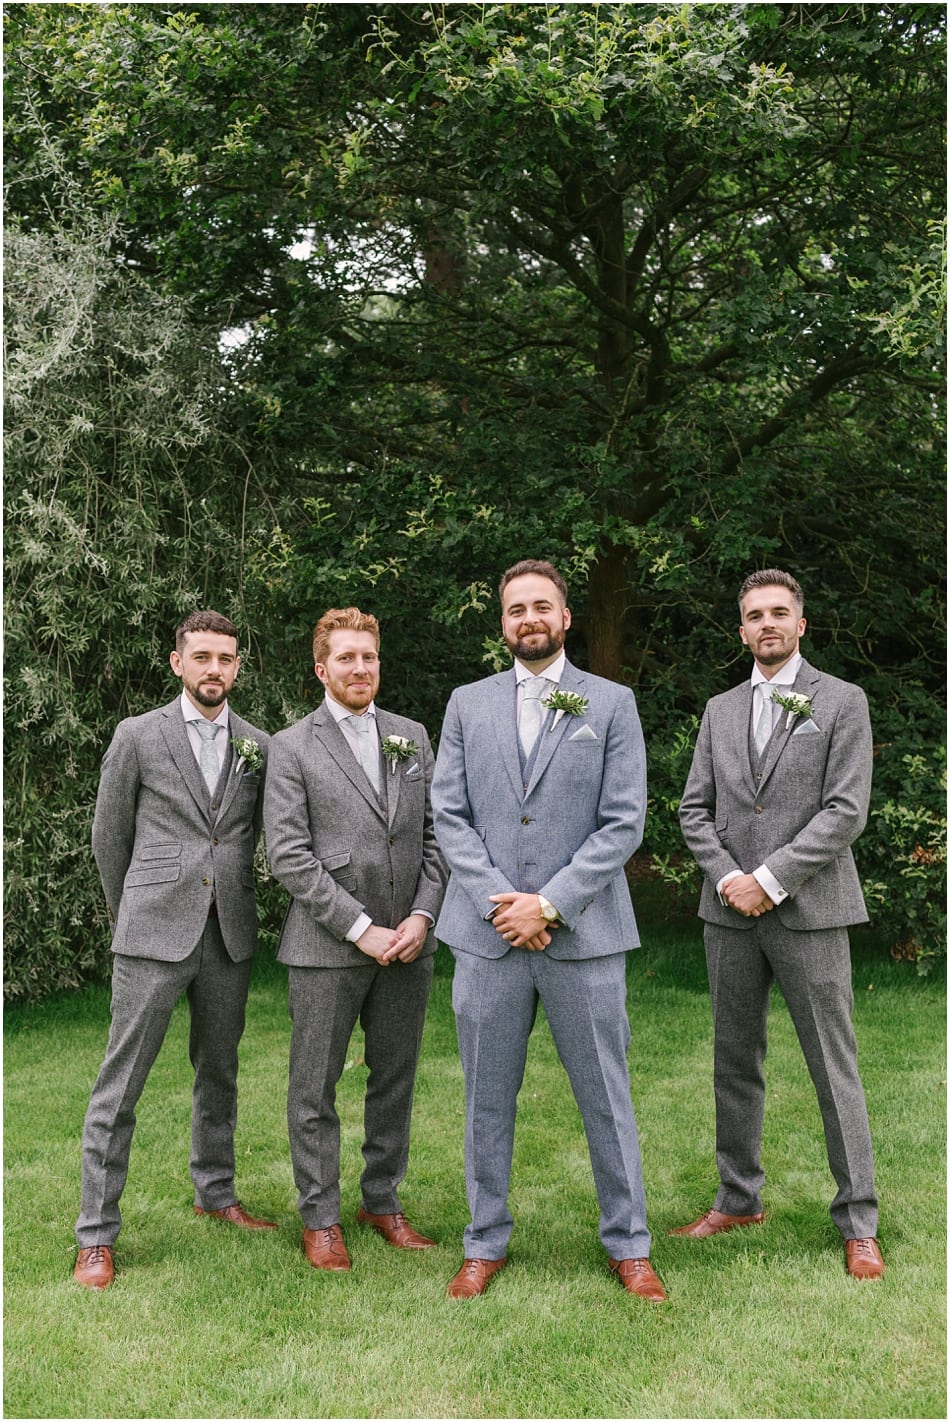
x: 361, y: 724
x: 207, y: 730
x: 535, y: 687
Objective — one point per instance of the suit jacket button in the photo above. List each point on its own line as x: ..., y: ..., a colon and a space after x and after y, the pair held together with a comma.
x: 392, y: 839
x: 758, y: 810
x: 526, y: 819
x: 206, y: 881
x: 215, y: 840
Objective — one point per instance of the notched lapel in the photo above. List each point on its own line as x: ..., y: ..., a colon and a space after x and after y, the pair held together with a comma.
x: 236, y: 730
x: 806, y: 683
x: 179, y: 748
x: 334, y: 743
x: 552, y: 736
x: 392, y: 778
x: 503, y: 710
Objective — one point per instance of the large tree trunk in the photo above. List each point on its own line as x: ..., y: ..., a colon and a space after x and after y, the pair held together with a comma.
x: 605, y: 622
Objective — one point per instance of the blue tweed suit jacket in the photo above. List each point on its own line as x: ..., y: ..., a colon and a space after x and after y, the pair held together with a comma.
x: 567, y: 835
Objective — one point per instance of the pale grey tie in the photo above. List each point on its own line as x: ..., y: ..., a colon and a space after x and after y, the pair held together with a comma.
x: 368, y: 747
x: 210, y: 766
x: 532, y: 712
x: 769, y: 712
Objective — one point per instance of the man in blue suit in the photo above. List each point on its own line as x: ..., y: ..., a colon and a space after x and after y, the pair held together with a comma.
x: 539, y: 800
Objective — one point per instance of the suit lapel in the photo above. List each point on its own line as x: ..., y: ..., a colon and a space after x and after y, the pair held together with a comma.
x: 741, y: 729
x: 179, y: 748
x: 806, y: 684
x: 551, y: 736
x: 502, y: 709
x: 236, y: 729
x: 392, y: 778
x: 332, y: 740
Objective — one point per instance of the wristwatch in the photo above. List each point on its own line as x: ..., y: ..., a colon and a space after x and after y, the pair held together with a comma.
x: 548, y: 912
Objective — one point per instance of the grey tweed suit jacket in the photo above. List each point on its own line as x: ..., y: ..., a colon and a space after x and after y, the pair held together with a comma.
x: 337, y: 850
x: 567, y: 836
x: 164, y: 850
x: 799, y: 811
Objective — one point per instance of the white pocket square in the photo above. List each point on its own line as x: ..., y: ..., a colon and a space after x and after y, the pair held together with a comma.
x: 807, y: 728
x: 413, y: 771
x: 584, y: 733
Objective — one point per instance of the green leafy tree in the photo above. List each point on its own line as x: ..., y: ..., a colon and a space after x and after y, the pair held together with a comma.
x: 655, y: 290
x: 122, y: 512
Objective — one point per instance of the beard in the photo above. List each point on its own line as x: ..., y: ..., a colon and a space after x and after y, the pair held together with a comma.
x: 208, y: 693
x: 776, y: 654
x: 541, y: 651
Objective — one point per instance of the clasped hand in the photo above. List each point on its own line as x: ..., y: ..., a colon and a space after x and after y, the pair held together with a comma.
x: 746, y: 895
x: 404, y: 942
x: 520, y: 921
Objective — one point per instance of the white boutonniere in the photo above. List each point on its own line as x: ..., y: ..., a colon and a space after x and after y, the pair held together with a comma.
x: 398, y: 748
x: 565, y: 703
x: 794, y: 703
x: 248, y: 752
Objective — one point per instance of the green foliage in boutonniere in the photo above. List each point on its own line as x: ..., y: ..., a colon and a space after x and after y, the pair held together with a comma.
x: 248, y: 752
x: 398, y: 748
x: 794, y: 703
x: 565, y: 703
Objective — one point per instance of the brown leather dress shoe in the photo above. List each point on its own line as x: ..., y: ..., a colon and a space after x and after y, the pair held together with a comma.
x: 395, y: 1229
x: 864, y: 1258
x: 474, y: 1277
x: 236, y: 1214
x: 325, y: 1248
x: 713, y: 1222
x: 637, y: 1277
x: 94, y: 1267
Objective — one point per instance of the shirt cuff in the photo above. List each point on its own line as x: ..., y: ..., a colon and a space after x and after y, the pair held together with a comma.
x: 423, y: 913
x: 764, y: 876
x: 359, y: 928
x: 733, y: 874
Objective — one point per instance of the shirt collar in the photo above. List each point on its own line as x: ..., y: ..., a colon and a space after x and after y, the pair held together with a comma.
x: 191, y: 712
x: 340, y: 713
x: 785, y: 676
x: 551, y: 673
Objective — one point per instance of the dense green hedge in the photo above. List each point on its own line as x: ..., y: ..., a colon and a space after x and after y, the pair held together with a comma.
x: 135, y: 491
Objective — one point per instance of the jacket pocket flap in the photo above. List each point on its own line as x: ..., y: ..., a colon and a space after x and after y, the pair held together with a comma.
x: 158, y: 851
x: 156, y: 874
x: 335, y: 861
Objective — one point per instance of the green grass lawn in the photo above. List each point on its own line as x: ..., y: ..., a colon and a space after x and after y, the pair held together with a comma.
x: 208, y: 1321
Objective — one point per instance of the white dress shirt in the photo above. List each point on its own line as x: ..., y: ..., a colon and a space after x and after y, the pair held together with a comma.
x: 220, y: 742
x: 552, y: 674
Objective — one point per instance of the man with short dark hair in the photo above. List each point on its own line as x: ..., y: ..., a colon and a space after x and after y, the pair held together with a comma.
x: 177, y: 819
x: 777, y: 793
x: 540, y: 798
x: 349, y: 835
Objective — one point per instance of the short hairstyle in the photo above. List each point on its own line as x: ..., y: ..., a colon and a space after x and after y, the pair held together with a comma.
x: 769, y: 578
x: 540, y: 568
x: 349, y: 619
x: 204, y: 621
